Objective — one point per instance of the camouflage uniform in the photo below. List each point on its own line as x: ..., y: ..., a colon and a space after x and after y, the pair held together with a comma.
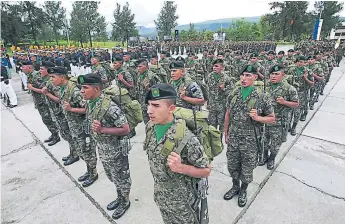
x: 127, y: 77
x: 275, y: 133
x: 77, y: 124
x: 160, y: 71
x: 152, y: 79
x: 111, y: 149
x: 175, y: 194
x: 315, y: 90
x: 217, y: 98
x: 101, y: 72
x: 242, y: 148
x: 192, y: 90
x: 36, y: 80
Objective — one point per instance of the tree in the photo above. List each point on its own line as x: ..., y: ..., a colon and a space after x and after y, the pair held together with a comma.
x: 329, y: 13
x: 84, y: 19
x: 34, y: 17
x: 101, y: 31
x: 243, y: 30
x: 192, y: 32
x: 56, y: 14
x: 124, y: 25
x: 12, y: 27
x: 208, y: 35
x: 167, y: 18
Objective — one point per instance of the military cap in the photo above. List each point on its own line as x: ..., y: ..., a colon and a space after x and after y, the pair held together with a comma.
x: 58, y: 70
x: 163, y: 52
x: 281, y: 52
x: 271, y: 52
x: 32, y: 54
x: 276, y: 68
x: 47, y: 64
x: 141, y: 60
x: 250, y: 69
x: 220, y: 54
x: 254, y: 55
x: 89, y: 79
x: 176, y: 65
x: 180, y: 58
x: 311, y: 57
x: 27, y: 62
x: 191, y: 54
x: 291, y: 50
x: 126, y: 53
x: 154, y: 55
x: 300, y: 58
x: 218, y: 61
x: 118, y: 58
x: 161, y: 91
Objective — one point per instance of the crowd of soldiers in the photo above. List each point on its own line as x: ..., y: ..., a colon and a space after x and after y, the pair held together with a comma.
x: 253, y: 95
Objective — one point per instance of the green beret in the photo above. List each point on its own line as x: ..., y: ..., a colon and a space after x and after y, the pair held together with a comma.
x: 59, y: 70
x: 254, y: 55
x: 281, y: 52
x: 161, y: 91
x: 311, y: 57
x: 180, y: 58
x: 221, y: 54
x: 271, y: 52
x: 250, y: 69
x: 27, y: 62
x: 176, y: 65
x: 276, y: 68
x: 218, y: 61
x: 47, y: 64
x: 300, y: 58
x: 89, y: 79
x: 118, y: 58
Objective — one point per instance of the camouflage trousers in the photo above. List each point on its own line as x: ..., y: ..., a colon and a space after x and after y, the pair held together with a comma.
x: 115, y: 164
x: 216, y: 118
x: 315, y: 92
x: 84, y: 149
x: 63, y: 127
x: 241, y: 156
x: 303, y: 106
x: 47, y: 118
x: 273, y: 139
x: 177, y: 204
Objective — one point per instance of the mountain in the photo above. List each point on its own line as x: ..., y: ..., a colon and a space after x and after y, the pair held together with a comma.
x: 212, y: 25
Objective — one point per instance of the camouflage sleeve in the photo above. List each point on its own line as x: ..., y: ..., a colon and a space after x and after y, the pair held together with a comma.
x: 195, y: 153
x: 196, y: 93
x: 293, y: 94
x: 265, y: 105
x: 319, y: 71
x: 127, y: 76
x: 102, y: 73
x: 77, y: 99
x: 310, y: 75
x: 116, y: 114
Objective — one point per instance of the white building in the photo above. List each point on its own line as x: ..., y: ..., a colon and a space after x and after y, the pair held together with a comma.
x: 337, y: 32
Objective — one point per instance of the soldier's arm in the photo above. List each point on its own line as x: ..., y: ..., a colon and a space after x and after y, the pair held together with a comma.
x: 292, y: 101
x: 267, y: 116
x: 77, y: 96
x: 309, y: 77
x: 127, y: 80
x: 197, y: 97
x: 119, y: 120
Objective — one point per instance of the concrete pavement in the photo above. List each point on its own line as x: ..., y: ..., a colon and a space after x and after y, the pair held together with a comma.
x: 307, y: 186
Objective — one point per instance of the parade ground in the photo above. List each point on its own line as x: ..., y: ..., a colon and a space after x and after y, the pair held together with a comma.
x: 306, y: 186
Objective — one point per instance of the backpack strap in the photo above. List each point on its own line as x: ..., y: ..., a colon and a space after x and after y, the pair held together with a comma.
x: 184, y: 142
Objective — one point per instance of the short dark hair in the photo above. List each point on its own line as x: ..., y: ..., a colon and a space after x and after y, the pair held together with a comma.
x: 170, y: 101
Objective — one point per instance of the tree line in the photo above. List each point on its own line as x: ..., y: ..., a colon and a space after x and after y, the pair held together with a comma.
x: 25, y: 21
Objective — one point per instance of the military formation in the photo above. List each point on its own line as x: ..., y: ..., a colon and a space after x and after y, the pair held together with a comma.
x: 243, y: 93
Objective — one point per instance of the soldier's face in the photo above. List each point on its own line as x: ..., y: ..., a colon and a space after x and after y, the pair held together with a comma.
x: 160, y: 111
x: 253, y: 59
x: 280, y: 56
x: 142, y: 68
x: 276, y: 77
x: 247, y: 79
x: 290, y: 54
x: 43, y: 71
x: 116, y: 65
x: 162, y: 56
x: 94, y: 61
x: 300, y: 63
x: 154, y: 61
x: 270, y: 56
x: 176, y: 74
x: 126, y: 57
x: 57, y: 80
x: 89, y: 91
x: 217, y: 68
x: 27, y: 69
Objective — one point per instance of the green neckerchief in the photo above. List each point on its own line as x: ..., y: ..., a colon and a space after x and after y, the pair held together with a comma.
x: 280, y: 60
x: 142, y: 76
x: 275, y: 85
x: 300, y: 71
x: 46, y: 78
x: 216, y: 76
x: 246, y: 91
x: 161, y: 129
x: 119, y: 71
x: 62, y: 90
x: 177, y: 82
x: 92, y: 103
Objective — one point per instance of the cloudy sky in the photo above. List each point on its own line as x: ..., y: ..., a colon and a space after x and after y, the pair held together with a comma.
x: 188, y: 10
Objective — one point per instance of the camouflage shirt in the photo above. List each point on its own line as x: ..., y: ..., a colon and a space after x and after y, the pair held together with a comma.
x: 295, y: 78
x: 217, y: 96
x: 36, y: 80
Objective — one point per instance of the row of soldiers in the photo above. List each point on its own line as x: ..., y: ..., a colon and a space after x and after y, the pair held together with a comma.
x: 251, y: 98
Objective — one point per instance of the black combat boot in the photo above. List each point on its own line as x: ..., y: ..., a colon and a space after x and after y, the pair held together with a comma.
x: 293, y: 129
x: 51, y: 138
x: 233, y: 191
x: 71, y: 160
x: 311, y: 107
x: 92, y: 177
x: 270, y: 161
x: 85, y: 175
x: 303, y: 117
x: 55, y: 140
x: 121, y: 208
x: 114, y: 204
x: 263, y: 162
x: 242, y: 196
